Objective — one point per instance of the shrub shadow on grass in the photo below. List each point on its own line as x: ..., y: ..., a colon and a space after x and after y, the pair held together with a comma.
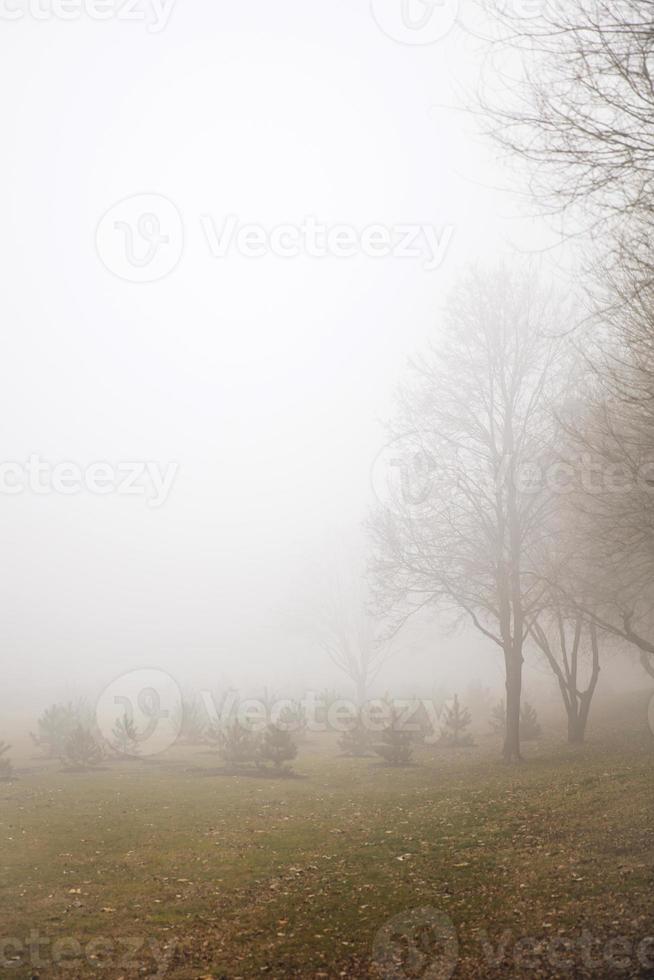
x: 247, y: 773
x: 399, y: 765
x: 81, y: 770
x: 148, y: 761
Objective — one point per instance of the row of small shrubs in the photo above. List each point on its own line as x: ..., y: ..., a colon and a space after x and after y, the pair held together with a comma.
x: 395, y: 745
x: 240, y: 747
x: 196, y: 728
x: 67, y: 732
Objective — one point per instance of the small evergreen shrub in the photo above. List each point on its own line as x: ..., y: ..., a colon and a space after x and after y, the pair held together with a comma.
x: 56, y: 724
x: 498, y: 718
x: 125, y: 737
x: 238, y: 745
x: 530, y: 730
x: 395, y: 746
x: 293, y: 719
x: 190, y: 720
x: 457, y: 720
x: 355, y: 741
x: 81, y: 750
x: 277, y: 747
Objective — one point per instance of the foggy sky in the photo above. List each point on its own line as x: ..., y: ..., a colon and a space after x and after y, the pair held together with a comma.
x: 265, y: 380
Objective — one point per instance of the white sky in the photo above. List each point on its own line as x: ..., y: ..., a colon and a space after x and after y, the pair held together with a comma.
x: 264, y: 379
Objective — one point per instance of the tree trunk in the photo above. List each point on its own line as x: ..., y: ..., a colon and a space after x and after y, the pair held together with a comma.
x: 576, y: 728
x: 513, y: 662
x: 579, y: 710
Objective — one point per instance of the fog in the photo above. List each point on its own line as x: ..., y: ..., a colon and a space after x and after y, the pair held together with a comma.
x: 263, y: 380
x: 326, y: 488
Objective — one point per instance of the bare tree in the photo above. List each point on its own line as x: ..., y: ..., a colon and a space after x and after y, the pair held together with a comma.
x: 476, y: 410
x: 581, y: 113
x: 608, y: 514
x: 567, y: 643
x: 335, y: 611
x: 346, y: 629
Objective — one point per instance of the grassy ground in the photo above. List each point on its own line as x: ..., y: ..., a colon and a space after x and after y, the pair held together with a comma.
x: 171, y: 868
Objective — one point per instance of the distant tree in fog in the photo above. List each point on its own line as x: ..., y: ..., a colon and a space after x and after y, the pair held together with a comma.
x: 337, y: 616
x: 477, y: 410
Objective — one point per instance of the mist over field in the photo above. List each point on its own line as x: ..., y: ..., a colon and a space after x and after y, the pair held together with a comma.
x: 264, y: 381
x: 327, y: 489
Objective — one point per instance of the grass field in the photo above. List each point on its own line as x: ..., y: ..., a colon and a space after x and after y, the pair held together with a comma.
x: 171, y: 868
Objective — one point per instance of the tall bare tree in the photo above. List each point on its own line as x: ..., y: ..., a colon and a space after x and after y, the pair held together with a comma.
x: 581, y: 114
x: 606, y: 515
x: 580, y: 110
x: 473, y: 415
